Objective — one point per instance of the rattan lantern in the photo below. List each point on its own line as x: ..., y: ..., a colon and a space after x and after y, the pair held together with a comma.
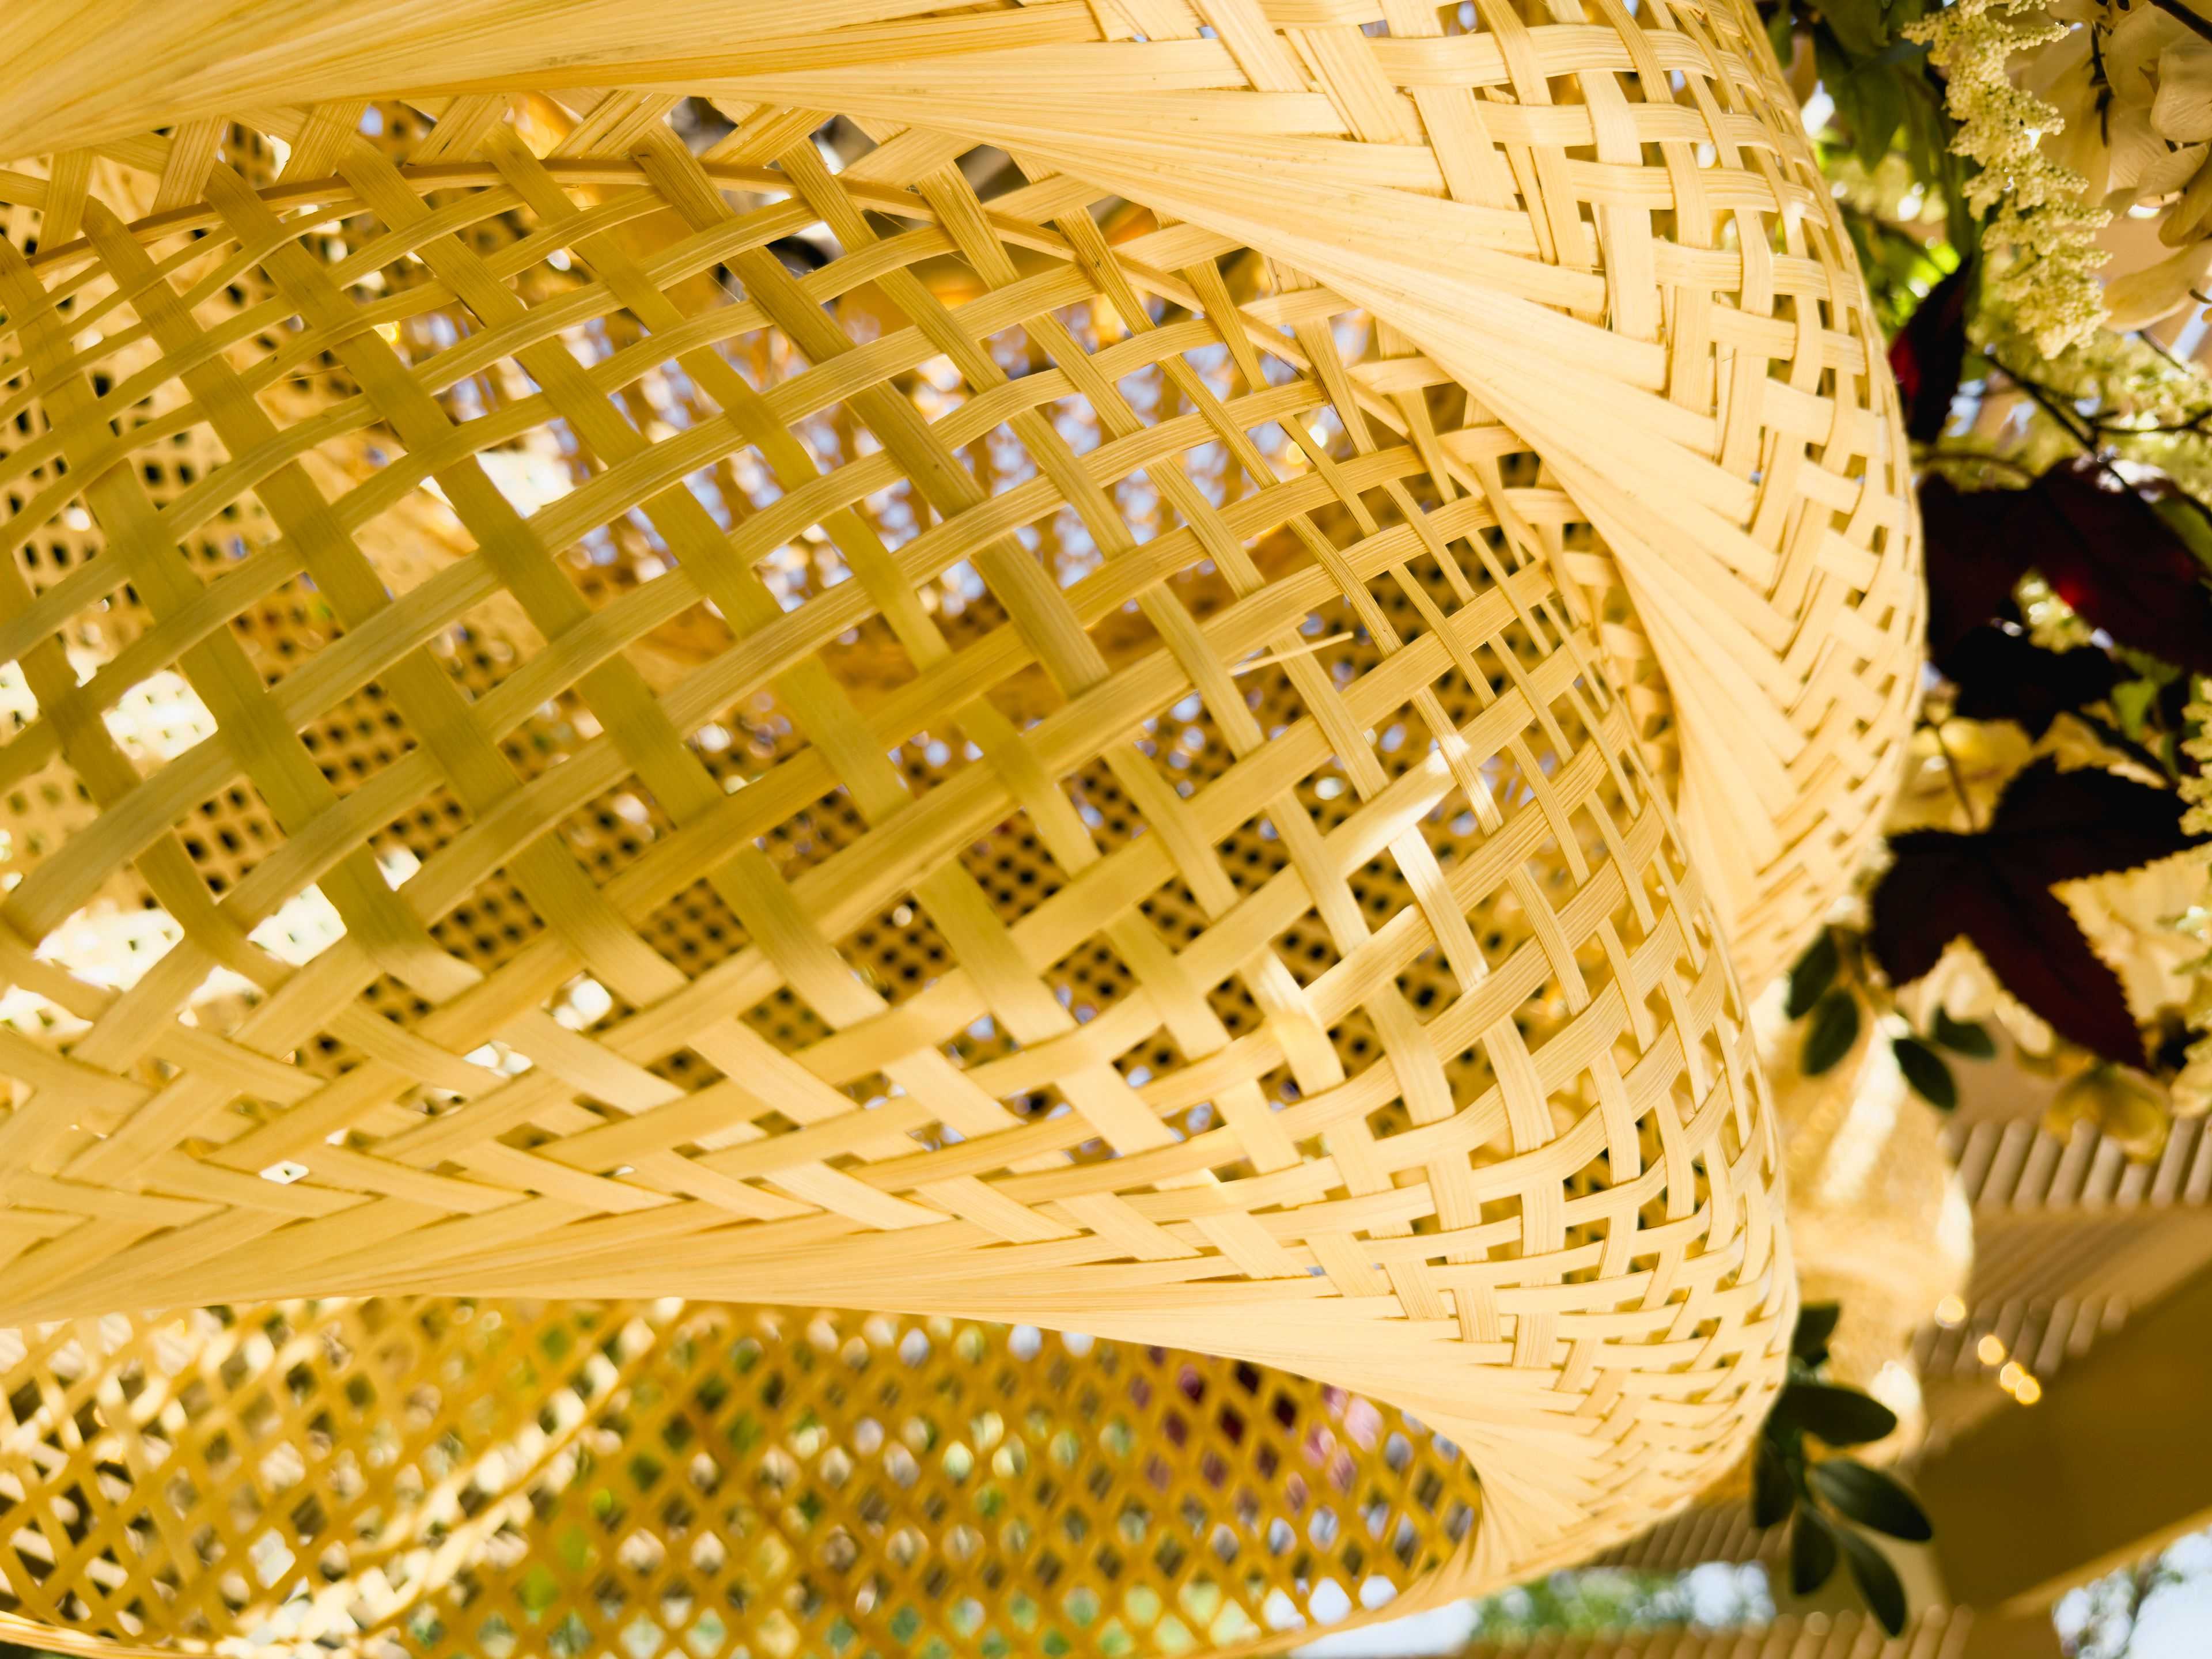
x: 1074, y: 737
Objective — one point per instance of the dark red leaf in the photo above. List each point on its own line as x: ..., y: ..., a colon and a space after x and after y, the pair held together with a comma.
x: 1973, y: 554
x: 1994, y: 887
x: 1917, y: 908
x: 1929, y: 353
x: 2041, y: 955
x: 2063, y: 825
x: 2003, y: 675
x: 1932, y: 896
x: 2106, y: 551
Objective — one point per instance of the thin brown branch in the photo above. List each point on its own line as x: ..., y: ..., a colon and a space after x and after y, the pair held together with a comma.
x: 2183, y: 15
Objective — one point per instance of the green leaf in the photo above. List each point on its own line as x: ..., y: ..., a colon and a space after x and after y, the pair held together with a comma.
x: 1812, y: 974
x: 1774, y: 1493
x: 1859, y: 26
x: 2157, y: 670
x: 1816, y: 1324
x: 1877, y: 1582
x: 1969, y: 1037
x: 1842, y: 1417
x: 1834, y: 1029
x: 1872, y: 1499
x: 1812, y: 1550
x: 1830, y: 61
x: 1781, y: 27
x: 1877, y: 111
x: 2131, y: 701
x: 1869, y: 91
x: 1924, y: 1070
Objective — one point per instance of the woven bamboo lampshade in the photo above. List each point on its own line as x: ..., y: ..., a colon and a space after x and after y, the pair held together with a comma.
x: 1026, y: 737
x: 1603, y: 223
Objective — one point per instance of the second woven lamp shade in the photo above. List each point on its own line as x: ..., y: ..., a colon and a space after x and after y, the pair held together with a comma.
x: 1015, y: 739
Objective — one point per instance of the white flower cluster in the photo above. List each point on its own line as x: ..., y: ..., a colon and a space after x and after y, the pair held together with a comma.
x: 2041, y: 237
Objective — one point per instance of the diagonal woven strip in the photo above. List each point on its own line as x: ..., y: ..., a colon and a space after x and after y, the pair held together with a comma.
x: 1293, y: 960
x: 1606, y: 225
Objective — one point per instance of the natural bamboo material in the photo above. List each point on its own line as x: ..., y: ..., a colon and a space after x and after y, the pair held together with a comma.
x: 397, y: 1475
x: 1606, y: 225
x: 1263, y: 937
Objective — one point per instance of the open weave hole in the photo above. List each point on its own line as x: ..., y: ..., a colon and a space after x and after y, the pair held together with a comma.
x: 429, y: 1477
x: 727, y: 850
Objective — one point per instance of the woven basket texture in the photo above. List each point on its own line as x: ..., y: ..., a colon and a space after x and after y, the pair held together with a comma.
x: 436, y: 1477
x: 1604, y: 223
x: 663, y: 693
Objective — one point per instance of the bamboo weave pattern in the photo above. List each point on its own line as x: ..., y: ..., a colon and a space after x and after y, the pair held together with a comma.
x: 435, y: 1476
x: 1607, y: 226
x: 1092, y: 800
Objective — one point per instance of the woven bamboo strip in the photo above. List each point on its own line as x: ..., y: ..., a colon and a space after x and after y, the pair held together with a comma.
x: 1684, y: 339
x: 1295, y: 961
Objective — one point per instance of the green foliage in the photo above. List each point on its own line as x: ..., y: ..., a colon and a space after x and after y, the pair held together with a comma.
x: 1969, y: 1037
x: 1900, y: 267
x: 1617, y: 1600
x: 1869, y: 97
x: 1834, y: 1029
x: 1814, y: 972
x: 2132, y: 701
x: 1826, y: 1499
x: 2184, y: 515
x: 1872, y: 1499
x: 1877, y: 1580
x: 1825, y: 988
x: 1837, y: 1415
x: 1812, y: 1552
x: 1774, y: 1493
x: 1815, y: 1329
x: 2101, y: 1619
x: 1888, y: 101
x: 1925, y: 1071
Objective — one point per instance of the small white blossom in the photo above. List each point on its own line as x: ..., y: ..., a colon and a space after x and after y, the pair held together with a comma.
x: 2041, y: 237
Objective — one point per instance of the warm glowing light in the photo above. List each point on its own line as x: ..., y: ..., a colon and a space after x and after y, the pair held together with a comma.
x: 1950, y: 1313
x: 1991, y: 1350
